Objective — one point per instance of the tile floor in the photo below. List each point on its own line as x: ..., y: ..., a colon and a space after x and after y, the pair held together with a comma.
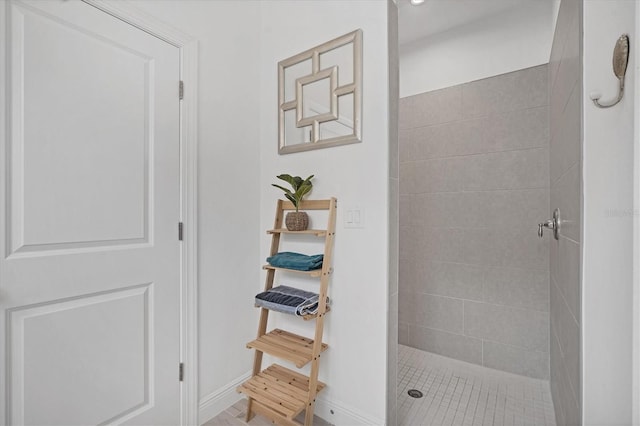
x: 457, y: 393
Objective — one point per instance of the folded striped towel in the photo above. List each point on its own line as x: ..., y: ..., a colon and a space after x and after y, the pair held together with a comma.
x: 300, y: 262
x: 289, y: 300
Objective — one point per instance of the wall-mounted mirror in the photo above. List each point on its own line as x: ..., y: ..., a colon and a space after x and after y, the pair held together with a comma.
x: 320, y: 96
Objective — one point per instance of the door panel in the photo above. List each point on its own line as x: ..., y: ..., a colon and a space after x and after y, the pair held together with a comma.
x: 69, y: 326
x: 100, y: 193
x: 89, y: 272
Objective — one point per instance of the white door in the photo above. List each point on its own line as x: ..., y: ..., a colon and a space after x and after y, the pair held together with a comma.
x: 90, y: 201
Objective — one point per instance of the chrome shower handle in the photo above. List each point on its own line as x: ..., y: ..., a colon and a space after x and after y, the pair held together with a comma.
x: 548, y: 224
x: 553, y: 224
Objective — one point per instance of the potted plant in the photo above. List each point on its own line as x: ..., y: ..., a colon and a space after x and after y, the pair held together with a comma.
x: 296, y: 221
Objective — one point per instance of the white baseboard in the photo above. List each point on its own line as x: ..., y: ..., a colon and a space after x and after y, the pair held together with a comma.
x: 220, y: 399
x: 341, y: 415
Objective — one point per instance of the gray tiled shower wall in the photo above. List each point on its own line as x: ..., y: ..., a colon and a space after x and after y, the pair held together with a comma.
x: 565, y: 98
x: 474, y: 183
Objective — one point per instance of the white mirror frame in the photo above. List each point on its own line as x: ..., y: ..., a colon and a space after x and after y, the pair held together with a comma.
x: 317, y: 74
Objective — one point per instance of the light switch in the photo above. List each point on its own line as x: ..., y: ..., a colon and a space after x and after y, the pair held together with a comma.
x: 354, y: 217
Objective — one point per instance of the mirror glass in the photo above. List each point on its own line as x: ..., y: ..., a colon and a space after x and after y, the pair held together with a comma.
x: 295, y: 135
x: 342, y: 57
x: 319, y: 96
x: 316, y: 98
x: 343, y: 126
x: 293, y: 73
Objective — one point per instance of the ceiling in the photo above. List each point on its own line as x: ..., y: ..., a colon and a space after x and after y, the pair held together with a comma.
x: 436, y: 16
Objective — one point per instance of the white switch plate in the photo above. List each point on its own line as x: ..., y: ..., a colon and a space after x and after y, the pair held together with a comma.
x: 354, y: 217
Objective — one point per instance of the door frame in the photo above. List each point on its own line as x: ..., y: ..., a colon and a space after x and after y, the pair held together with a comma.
x: 188, y: 47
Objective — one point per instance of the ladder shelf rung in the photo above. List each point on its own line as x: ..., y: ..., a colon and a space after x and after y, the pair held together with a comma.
x: 274, y: 416
x: 281, y: 390
x: 285, y: 345
x: 312, y: 316
x: 316, y: 232
x: 308, y: 205
x: 304, y: 317
x: 315, y: 273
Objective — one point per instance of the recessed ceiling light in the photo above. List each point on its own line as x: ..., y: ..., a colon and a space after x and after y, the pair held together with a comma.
x: 417, y: 2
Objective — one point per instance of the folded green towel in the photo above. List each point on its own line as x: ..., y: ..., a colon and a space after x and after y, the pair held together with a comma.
x: 298, y: 261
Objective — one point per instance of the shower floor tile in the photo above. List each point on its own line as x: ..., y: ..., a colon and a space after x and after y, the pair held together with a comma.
x: 457, y: 393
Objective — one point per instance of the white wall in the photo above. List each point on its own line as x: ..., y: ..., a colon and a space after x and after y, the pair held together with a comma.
x: 517, y: 39
x: 354, y: 367
x: 229, y: 181
x: 607, y: 300
x: 240, y: 44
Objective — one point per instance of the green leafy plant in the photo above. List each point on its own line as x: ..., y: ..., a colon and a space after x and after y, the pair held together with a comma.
x: 300, y: 188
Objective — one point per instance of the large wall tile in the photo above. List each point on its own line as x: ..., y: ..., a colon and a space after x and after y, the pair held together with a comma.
x: 452, y: 280
x: 506, y: 131
x: 520, y: 288
x: 406, y: 210
x: 523, y: 169
x: 441, y: 278
x: 455, y: 245
x: 403, y: 333
x: 437, y: 312
x: 518, y: 327
x: 515, y: 249
x: 564, y: 397
x: 568, y: 278
x: 573, y: 414
x: 442, y: 140
x: 556, y: 370
x: 439, y: 106
x: 449, y: 210
x: 515, y: 209
x: 554, y: 255
x: 409, y: 178
x: 554, y: 65
x: 409, y: 274
x: 408, y: 242
x: 448, y: 344
x: 565, y: 148
x: 520, y: 129
x: 507, y: 92
x: 393, y: 321
x: 394, y: 152
x: 392, y: 349
x: 567, y: 13
x: 516, y: 360
x: 565, y: 195
x: 394, y: 234
x: 436, y: 175
x: 407, y: 309
x: 567, y: 332
x: 556, y: 306
x: 568, y: 75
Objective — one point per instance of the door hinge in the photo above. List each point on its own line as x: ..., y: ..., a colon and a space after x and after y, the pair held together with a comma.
x: 180, y: 233
x: 181, y: 373
x: 181, y: 90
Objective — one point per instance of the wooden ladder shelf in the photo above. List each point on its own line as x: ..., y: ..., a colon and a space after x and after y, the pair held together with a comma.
x: 279, y: 393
